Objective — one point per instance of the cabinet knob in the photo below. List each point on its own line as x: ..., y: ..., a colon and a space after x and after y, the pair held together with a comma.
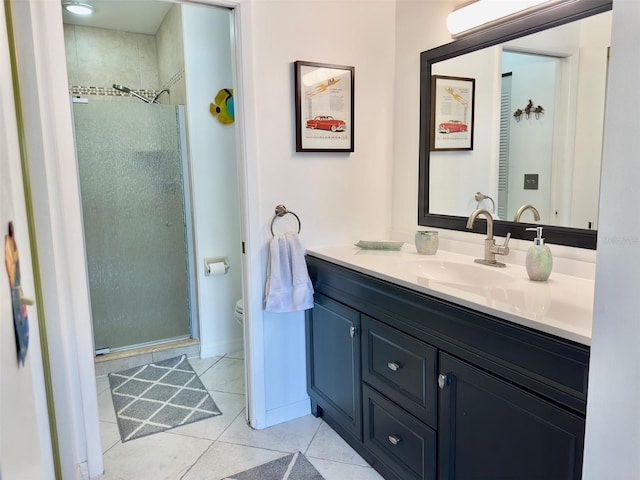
x: 353, y: 331
x: 393, y: 366
x: 394, y: 439
x: 443, y: 381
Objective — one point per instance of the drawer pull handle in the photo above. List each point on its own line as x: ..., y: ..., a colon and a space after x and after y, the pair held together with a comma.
x: 394, y: 440
x: 393, y: 366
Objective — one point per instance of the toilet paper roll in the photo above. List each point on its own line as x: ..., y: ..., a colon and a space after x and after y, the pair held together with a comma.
x: 217, y: 268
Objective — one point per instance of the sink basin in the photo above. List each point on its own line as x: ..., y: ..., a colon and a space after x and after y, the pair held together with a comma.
x: 456, y: 273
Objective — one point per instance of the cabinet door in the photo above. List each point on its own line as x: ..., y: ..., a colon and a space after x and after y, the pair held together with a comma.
x: 333, y: 362
x: 491, y: 429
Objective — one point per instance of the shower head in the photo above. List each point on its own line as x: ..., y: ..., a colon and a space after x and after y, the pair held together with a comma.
x: 124, y: 89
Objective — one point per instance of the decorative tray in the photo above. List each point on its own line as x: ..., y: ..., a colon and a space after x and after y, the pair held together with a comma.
x: 372, y: 245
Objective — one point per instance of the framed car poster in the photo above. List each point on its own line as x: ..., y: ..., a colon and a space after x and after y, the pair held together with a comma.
x: 324, y: 107
x: 452, y: 103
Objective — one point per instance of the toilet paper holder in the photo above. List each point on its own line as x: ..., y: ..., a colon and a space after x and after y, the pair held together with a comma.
x: 210, y: 261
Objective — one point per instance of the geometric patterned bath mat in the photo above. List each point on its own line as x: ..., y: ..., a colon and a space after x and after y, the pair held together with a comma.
x: 159, y: 396
x: 289, y: 467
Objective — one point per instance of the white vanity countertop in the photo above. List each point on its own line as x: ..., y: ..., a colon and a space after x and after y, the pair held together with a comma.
x: 561, y: 306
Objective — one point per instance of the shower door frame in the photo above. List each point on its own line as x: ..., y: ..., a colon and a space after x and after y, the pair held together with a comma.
x: 185, y: 183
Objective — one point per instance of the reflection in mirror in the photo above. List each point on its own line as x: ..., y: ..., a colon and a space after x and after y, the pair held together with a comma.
x: 539, y: 116
x: 564, y: 72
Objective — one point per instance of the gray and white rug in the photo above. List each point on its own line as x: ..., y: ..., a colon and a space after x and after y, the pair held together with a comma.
x: 290, y: 467
x: 159, y: 396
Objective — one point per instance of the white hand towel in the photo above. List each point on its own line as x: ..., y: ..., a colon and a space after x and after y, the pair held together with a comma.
x: 288, y: 286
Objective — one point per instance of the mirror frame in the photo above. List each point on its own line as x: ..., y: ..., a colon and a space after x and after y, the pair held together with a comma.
x: 555, y: 15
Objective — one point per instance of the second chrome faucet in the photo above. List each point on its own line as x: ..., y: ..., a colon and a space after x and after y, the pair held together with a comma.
x: 490, y: 247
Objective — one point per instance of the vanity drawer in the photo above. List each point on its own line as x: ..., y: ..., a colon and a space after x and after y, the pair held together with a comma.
x: 404, y: 444
x: 400, y: 367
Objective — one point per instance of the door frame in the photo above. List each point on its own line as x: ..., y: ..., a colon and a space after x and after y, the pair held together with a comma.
x: 42, y: 70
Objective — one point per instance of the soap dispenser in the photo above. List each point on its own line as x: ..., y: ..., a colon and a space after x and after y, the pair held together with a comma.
x: 539, y: 260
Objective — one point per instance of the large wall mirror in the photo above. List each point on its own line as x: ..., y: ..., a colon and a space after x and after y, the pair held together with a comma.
x: 553, y: 61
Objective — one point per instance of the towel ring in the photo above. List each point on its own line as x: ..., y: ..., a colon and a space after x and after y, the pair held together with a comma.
x: 281, y: 211
x: 480, y: 197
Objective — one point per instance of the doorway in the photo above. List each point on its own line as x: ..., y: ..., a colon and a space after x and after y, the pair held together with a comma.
x: 164, y: 60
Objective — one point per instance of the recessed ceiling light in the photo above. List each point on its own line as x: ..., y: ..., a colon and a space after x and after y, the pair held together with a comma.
x: 78, y: 8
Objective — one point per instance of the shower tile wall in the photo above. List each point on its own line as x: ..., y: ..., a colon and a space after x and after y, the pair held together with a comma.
x: 98, y: 58
x: 171, y: 55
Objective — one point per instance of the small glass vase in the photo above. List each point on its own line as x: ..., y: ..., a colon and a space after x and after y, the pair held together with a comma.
x: 427, y: 242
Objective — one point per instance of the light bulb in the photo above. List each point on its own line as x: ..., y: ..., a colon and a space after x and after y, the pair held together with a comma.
x: 78, y: 8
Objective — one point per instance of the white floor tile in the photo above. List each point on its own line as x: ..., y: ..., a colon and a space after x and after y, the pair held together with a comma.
x: 225, y: 376
x: 102, y: 384
x: 328, y: 445
x: 201, y: 365
x: 230, y: 404
x: 157, y: 457
x: 343, y: 471
x: 239, y: 355
x: 221, y: 446
x: 288, y: 437
x: 106, y: 413
x: 223, y: 460
x: 109, y: 435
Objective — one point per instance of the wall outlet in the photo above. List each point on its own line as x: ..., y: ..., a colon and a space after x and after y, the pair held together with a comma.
x: 531, y: 181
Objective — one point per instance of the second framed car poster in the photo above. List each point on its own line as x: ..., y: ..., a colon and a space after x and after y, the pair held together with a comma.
x: 452, y: 113
x: 324, y: 107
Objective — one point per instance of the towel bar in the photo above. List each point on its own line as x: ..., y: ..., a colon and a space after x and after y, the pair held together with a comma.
x: 281, y: 211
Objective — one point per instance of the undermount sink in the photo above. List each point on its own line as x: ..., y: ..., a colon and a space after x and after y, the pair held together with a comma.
x: 456, y: 273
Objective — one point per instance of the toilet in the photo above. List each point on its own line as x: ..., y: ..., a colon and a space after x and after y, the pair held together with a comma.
x: 238, y: 313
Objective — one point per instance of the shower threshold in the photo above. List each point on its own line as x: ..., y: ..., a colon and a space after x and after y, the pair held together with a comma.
x: 122, y: 359
x: 141, y: 346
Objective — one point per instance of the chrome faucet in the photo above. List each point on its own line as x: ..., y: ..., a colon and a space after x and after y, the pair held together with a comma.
x: 523, y: 208
x: 490, y: 247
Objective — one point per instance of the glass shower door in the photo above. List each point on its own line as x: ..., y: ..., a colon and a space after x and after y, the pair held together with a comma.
x: 134, y: 222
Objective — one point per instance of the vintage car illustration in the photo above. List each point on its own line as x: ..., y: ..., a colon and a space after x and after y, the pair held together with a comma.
x: 326, y: 122
x: 452, y: 126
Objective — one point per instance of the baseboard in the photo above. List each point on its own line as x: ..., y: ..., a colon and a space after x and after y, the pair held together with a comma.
x: 288, y: 412
x: 221, y: 348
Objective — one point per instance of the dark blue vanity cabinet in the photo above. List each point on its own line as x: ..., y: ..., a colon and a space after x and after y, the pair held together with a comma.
x: 333, y: 378
x: 427, y: 389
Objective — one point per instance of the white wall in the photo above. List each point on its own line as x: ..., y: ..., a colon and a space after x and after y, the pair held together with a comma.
x: 25, y: 444
x: 613, y: 423
x: 340, y: 198
x: 531, y: 139
x: 476, y: 170
x: 595, y: 39
x: 214, y: 176
x: 423, y: 27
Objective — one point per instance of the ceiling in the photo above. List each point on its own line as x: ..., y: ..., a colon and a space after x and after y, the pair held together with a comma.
x: 137, y: 16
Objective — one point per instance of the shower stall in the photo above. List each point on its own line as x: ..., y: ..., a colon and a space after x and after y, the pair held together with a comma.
x: 138, y: 237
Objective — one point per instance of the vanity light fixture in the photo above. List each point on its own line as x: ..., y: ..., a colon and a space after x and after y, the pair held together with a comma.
x: 483, y: 12
x: 78, y: 8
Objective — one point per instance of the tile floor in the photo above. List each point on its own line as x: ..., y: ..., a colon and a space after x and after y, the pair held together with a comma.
x: 221, y: 446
